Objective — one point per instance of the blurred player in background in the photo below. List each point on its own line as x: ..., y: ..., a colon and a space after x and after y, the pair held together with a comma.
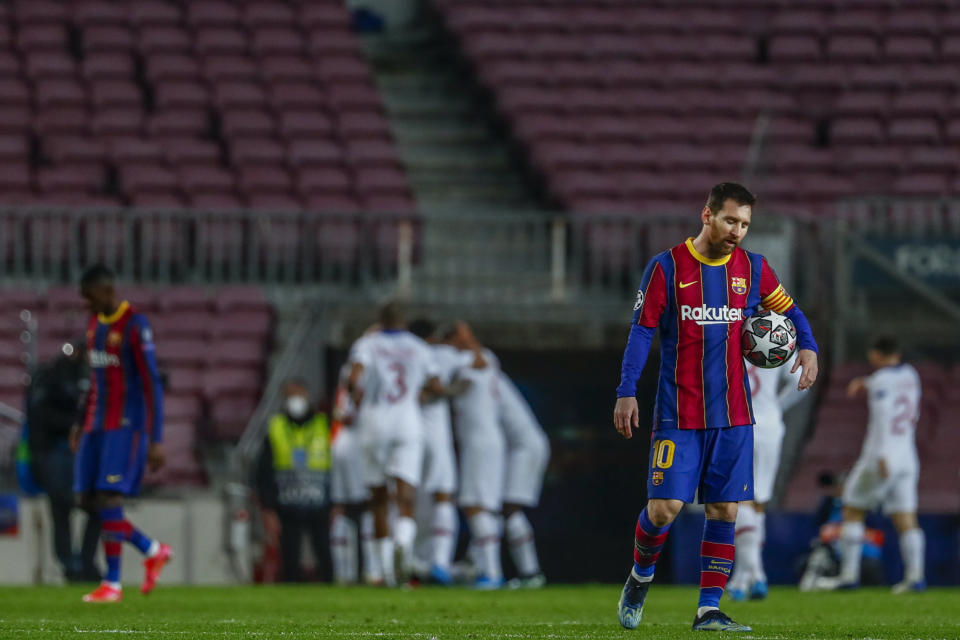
x: 888, y: 468
x: 123, y: 428
x: 773, y: 392
x: 394, y: 366
x: 348, y: 492
x: 482, y: 457
x: 439, y: 461
x: 698, y: 294
x: 528, y: 451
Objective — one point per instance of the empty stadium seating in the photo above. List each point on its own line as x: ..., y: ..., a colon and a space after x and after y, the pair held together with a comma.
x: 203, y: 103
x: 624, y: 105
x: 841, y: 425
x: 212, y: 347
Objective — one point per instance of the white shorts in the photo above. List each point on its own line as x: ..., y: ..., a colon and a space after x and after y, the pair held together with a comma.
x: 482, y: 469
x: 526, y: 464
x: 346, y: 474
x: 766, y: 461
x: 393, y: 446
x: 439, y: 459
x: 865, y: 489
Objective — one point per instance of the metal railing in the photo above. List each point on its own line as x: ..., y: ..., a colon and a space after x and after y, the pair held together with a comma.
x: 471, y: 258
x: 171, y: 246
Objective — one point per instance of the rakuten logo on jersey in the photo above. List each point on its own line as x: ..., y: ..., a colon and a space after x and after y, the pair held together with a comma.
x: 711, y: 315
x: 101, y: 359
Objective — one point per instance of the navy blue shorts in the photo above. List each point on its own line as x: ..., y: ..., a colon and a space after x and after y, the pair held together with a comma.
x: 110, y: 461
x: 715, y: 465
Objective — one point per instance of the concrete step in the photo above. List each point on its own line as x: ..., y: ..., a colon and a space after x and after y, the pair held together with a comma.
x: 454, y: 159
x: 400, y: 106
x: 455, y: 132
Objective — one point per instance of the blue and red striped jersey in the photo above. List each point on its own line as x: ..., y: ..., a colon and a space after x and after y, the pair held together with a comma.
x: 125, y: 389
x: 699, y: 305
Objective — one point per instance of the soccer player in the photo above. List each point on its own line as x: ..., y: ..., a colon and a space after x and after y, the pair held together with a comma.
x: 122, y: 430
x: 698, y: 294
x: 394, y: 365
x: 888, y: 468
x: 528, y: 451
x: 482, y: 458
x: 772, y: 392
x: 347, y: 490
x: 439, y: 461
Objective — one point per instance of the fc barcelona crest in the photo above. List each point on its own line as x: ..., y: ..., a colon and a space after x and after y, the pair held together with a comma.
x: 657, y: 478
x: 739, y: 285
x: 114, y: 338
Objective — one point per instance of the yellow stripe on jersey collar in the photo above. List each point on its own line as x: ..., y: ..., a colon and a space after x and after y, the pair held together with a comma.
x: 116, y: 315
x: 704, y: 259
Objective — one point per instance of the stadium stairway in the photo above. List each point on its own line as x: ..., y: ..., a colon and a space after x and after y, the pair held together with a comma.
x: 458, y: 155
x: 454, y: 150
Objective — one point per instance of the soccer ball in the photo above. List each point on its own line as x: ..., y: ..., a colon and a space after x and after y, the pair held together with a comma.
x: 768, y: 339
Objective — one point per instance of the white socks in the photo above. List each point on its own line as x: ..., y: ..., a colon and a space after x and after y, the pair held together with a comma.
x: 759, y: 573
x: 486, y: 540
x: 522, y: 547
x: 404, y: 534
x: 385, y: 554
x: 372, y: 570
x: 343, y: 549
x: 851, y: 546
x: 746, y: 539
x: 443, y: 535
x: 912, y: 544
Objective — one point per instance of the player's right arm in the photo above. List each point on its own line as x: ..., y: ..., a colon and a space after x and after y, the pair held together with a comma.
x: 359, y: 360
x: 651, y: 302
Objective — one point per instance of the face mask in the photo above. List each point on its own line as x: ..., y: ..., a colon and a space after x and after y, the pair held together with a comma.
x: 297, y: 406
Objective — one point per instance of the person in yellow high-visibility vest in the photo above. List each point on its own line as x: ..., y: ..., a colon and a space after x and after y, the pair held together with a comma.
x: 293, y: 481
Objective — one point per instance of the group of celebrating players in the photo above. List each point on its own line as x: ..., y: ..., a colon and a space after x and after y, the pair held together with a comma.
x: 405, y: 394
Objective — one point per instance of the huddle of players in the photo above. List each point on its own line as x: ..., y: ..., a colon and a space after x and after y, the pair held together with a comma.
x: 404, y: 394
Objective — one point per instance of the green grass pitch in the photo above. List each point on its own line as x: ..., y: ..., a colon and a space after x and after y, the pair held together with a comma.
x: 558, y: 612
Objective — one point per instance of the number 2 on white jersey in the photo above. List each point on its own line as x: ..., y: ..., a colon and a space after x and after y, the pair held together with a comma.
x: 905, y: 418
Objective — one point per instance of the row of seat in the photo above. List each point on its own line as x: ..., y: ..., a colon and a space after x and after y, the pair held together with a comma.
x: 147, y: 103
x: 164, y: 13
x: 767, y: 17
x: 607, y: 114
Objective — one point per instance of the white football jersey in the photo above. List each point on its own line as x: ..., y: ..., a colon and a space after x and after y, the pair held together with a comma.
x: 396, y: 365
x: 476, y: 410
x: 447, y: 361
x: 519, y: 423
x: 772, y: 392
x: 893, y: 398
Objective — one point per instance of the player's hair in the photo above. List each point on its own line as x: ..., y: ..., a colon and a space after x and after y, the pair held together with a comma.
x: 391, y: 314
x: 886, y: 344
x: 95, y: 274
x: 422, y: 328
x: 729, y: 191
x: 295, y: 381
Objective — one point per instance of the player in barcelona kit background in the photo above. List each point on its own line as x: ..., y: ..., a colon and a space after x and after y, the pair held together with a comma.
x: 698, y: 294
x: 123, y: 427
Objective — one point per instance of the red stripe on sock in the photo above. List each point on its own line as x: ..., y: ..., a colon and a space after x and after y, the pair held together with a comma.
x: 717, y: 550
x: 713, y: 579
x: 123, y: 527
x: 112, y: 549
x: 647, y: 539
x: 645, y: 561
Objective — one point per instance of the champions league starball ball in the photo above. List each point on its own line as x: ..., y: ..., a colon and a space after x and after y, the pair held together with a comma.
x: 768, y: 339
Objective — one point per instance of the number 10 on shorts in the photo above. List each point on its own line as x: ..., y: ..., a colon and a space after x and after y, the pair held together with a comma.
x: 662, y: 454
